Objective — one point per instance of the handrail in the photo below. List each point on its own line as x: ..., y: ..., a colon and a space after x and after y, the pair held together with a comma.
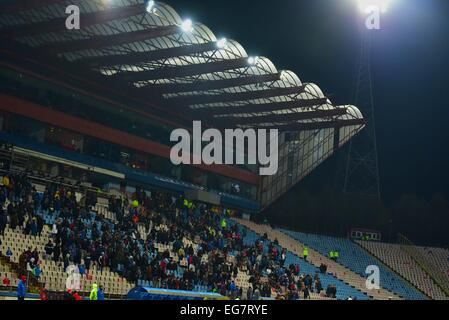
x: 423, y: 263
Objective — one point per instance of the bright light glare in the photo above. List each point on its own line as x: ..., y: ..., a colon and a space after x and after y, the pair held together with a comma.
x: 150, y: 6
x: 367, y: 6
x: 222, y: 43
x: 253, y: 60
x: 187, y: 25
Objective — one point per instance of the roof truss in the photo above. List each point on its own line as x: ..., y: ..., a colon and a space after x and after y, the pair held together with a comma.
x: 293, y: 116
x: 238, y: 96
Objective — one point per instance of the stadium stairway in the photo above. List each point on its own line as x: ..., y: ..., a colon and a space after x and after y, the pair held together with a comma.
x: 344, y: 289
x: 357, y: 259
x: 438, y: 257
x: 401, y: 262
x: 316, y: 258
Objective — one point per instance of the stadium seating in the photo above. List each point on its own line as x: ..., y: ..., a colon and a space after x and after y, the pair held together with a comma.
x: 53, y: 274
x: 316, y: 258
x: 5, y: 270
x: 242, y: 279
x: 344, y: 291
x: 401, y: 262
x: 347, y: 274
x: 356, y: 259
x: 438, y: 257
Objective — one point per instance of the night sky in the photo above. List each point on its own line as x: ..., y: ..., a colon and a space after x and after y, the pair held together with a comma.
x: 319, y: 40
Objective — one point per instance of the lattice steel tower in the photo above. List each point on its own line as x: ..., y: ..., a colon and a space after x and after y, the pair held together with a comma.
x: 361, y: 172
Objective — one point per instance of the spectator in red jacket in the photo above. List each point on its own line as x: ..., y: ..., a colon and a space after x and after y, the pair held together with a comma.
x: 6, y: 281
x: 77, y: 296
x: 43, y: 294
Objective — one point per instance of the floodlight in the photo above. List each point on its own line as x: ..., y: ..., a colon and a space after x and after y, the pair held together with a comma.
x: 187, y: 25
x: 253, y: 60
x: 150, y: 6
x: 367, y: 6
x: 221, y: 43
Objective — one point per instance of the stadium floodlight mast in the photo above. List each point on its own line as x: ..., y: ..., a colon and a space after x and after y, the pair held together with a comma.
x: 361, y: 172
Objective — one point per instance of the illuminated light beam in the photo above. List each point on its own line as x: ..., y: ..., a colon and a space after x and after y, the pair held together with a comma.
x: 187, y: 25
x: 366, y: 6
x: 150, y: 6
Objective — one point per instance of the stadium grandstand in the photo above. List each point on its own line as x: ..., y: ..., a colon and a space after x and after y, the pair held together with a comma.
x: 92, y: 206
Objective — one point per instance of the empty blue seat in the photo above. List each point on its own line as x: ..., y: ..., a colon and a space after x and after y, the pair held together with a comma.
x: 355, y: 258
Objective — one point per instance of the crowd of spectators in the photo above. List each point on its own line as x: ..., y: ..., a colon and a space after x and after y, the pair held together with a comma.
x: 84, y: 239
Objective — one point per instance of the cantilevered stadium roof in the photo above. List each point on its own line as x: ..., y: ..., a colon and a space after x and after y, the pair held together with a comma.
x: 152, y: 51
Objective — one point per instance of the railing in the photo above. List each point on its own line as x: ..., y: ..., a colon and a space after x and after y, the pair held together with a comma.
x: 424, y: 263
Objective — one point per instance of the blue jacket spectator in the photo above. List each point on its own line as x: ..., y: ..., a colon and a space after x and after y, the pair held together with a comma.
x: 21, y: 288
x: 100, y: 293
x: 82, y: 269
x: 37, y: 271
